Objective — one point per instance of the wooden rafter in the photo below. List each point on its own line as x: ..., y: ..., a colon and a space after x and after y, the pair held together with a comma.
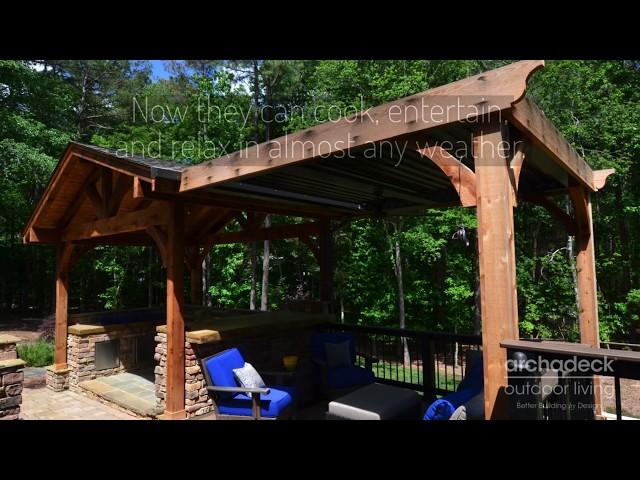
x: 122, y: 186
x: 75, y: 205
x: 96, y: 200
x: 106, y: 190
x: 245, y: 202
x: 462, y: 177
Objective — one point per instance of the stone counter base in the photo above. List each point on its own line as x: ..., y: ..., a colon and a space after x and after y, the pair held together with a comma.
x: 81, y: 353
x: 197, y: 401
x: 57, y: 379
x: 11, y: 378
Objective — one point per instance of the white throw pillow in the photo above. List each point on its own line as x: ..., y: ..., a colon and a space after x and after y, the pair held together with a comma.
x: 248, y: 377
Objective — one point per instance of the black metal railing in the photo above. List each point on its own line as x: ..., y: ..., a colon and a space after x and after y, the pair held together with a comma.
x: 430, y: 362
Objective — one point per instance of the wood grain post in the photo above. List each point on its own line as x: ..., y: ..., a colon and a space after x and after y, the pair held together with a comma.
x: 496, y: 255
x: 175, y: 403
x: 62, y: 306
x: 586, y: 275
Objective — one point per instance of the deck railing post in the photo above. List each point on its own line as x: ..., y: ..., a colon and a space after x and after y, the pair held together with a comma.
x: 428, y: 368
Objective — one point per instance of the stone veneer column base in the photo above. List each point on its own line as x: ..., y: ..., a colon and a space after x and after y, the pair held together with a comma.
x: 197, y: 401
x: 57, y: 379
x: 11, y: 378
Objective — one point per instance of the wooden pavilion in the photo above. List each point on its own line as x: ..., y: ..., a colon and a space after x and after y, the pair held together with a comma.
x: 479, y: 142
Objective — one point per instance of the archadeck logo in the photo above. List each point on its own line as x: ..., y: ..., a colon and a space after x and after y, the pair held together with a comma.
x: 572, y: 365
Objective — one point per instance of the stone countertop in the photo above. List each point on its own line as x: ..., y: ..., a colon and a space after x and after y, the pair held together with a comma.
x: 12, y: 363
x: 212, y: 328
x: 83, y: 329
x: 6, y: 339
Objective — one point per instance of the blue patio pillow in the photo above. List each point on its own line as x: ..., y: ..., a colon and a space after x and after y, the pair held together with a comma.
x: 444, y: 407
x: 338, y: 354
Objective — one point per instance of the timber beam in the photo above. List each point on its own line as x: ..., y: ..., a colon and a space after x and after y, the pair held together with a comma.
x: 487, y: 92
x: 125, y: 223
x: 537, y: 128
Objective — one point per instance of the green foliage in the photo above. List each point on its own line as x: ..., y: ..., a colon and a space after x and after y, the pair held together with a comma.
x: 210, y: 107
x: 37, y: 354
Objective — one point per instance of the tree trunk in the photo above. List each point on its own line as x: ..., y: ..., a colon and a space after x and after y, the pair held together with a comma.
x: 264, y: 301
x: 623, y: 232
x: 204, y: 280
x: 394, y: 244
x: 572, y: 262
x: 207, y: 282
x: 149, y: 277
x: 254, y: 268
x: 256, y: 102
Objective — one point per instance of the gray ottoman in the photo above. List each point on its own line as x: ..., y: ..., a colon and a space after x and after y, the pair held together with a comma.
x: 376, y: 402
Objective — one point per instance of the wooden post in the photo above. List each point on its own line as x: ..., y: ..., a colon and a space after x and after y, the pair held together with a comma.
x: 325, y: 260
x: 174, y: 408
x: 586, y: 275
x: 62, y: 305
x: 496, y: 255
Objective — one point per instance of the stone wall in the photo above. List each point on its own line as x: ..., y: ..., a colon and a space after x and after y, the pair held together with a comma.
x: 11, y: 378
x: 263, y: 352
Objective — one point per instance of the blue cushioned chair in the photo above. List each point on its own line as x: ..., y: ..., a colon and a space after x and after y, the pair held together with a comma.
x: 235, y: 402
x: 471, y: 385
x: 339, y: 381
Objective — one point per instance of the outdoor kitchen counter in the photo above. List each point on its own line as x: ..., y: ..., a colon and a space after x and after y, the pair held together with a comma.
x: 211, y: 328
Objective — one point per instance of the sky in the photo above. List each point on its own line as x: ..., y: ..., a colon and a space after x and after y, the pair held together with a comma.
x: 158, y: 70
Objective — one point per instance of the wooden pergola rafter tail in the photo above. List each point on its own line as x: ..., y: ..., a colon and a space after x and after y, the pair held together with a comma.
x: 487, y: 92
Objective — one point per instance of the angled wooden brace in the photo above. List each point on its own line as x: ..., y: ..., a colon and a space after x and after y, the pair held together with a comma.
x: 515, y: 167
x: 461, y: 177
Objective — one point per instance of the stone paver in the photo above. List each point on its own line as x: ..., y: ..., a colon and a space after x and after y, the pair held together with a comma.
x: 44, y: 404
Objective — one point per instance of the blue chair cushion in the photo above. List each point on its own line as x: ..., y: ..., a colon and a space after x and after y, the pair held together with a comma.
x: 271, y: 404
x: 444, y: 407
x: 471, y: 385
x: 344, y: 377
x: 474, y: 378
x: 220, y: 368
x: 318, y: 341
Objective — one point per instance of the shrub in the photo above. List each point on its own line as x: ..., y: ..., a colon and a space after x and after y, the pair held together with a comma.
x: 48, y: 328
x: 38, y: 354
